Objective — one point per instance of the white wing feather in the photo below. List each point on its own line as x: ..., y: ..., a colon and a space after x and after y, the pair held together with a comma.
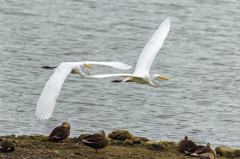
x: 47, y: 100
x: 151, y: 49
x: 118, y: 65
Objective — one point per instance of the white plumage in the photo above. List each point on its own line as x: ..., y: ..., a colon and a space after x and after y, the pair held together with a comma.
x: 47, y: 100
x: 141, y: 73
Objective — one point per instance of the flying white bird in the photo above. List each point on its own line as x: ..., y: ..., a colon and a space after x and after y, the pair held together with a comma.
x: 47, y: 100
x: 141, y: 74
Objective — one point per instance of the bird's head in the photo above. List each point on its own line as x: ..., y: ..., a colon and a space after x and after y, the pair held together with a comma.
x: 186, y: 138
x: 157, y: 76
x: 154, y: 81
x: 84, y: 71
x: 102, y: 133
x: 208, y: 145
x: 65, y: 125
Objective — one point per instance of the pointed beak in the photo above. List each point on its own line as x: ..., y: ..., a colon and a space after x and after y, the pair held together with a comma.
x: 162, y: 77
x: 65, y: 125
x: 88, y: 66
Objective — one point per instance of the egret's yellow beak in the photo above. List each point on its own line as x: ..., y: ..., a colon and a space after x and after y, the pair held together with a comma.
x: 88, y: 66
x: 162, y: 77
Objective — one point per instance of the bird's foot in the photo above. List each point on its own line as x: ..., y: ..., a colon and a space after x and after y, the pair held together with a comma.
x: 128, y: 81
x: 61, y: 144
x: 48, y: 67
x: 116, y: 81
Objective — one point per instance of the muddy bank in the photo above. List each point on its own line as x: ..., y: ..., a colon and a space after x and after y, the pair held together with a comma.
x: 124, y: 146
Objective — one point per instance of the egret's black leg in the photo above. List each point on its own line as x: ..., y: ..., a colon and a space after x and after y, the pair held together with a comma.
x: 129, y: 81
x: 118, y: 81
x: 48, y: 67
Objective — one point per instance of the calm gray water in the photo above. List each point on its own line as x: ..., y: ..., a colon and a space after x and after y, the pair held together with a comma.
x: 200, y: 57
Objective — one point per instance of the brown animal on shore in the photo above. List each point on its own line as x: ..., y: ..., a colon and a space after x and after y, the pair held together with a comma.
x: 186, y: 145
x: 60, y: 133
x: 206, y: 149
x: 7, y: 146
x: 96, y: 141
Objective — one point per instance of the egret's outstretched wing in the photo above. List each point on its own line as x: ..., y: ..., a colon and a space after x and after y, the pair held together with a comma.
x: 118, y: 65
x: 151, y: 49
x: 123, y: 75
x: 47, y: 100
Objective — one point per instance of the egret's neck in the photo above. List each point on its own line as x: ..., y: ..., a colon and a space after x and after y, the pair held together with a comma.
x: 82, y: 74
x: 78, y: 71
x: 83, y: 71
x: 153, y: 82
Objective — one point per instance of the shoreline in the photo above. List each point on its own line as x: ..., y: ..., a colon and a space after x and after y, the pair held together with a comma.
x: 125, y: 146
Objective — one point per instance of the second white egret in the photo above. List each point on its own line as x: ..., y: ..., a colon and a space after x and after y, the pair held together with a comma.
x: 141, y: 74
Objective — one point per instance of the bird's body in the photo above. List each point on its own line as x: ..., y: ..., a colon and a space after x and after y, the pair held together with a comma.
x: 60, y: 133
x: 206, y: 149
x: 145, y: 60
x: 47, y: 100
x: 186, y: 145
x: 7, y: 146
x: 96, y: 141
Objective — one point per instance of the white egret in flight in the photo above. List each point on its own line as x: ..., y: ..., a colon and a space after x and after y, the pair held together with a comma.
x: 141, y: 74
x: 47, y: 100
